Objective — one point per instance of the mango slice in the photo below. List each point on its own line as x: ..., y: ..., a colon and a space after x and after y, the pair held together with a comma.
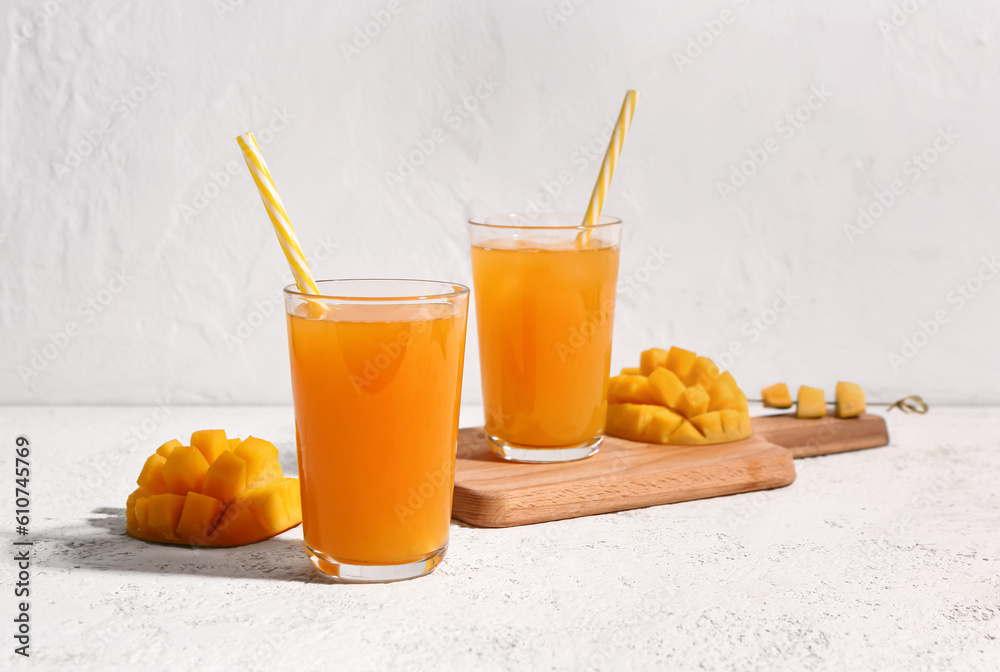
x: 850, y: 400
x: 811, y: 403
x: 776, y: 396
x: 215, y: 492
x: 677, y: 398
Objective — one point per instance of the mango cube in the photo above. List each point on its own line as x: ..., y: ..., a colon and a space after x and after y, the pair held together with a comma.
x: 631, y: 371
x: 693, y: 401
x: 629, y: 390
x: 732, y: 424
x: 629, y: 421
x: 164, y: 513
x: 185, y: 470
x: 776, y: 396
x: 168, y: 447
x: 652, y: 359
x: 210, y: 442
x: 850, y: 400
x: 710, y: 426
x: 665, y: 387
x: 661, y: 425
x: 687, y: 434
x: 151, y: 477
x: 226, y: 478
x: 811, y: 403
x: 681, y: 361
x: 262, y: 460
x: 198, y: 518
x: 703, y: 372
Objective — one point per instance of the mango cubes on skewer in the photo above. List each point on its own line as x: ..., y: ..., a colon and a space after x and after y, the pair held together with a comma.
x: 215, y: 492
x: 850, y: 400
x: 776, y: 396
x: 811, y: 403
x: 679, y: 398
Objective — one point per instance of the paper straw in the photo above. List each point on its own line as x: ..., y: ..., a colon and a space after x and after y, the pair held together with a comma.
x: 276, y: 211
x: 611, y: 159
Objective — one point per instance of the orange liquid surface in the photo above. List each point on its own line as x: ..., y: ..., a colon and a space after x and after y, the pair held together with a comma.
x: 377, y: 392
x: 545, y: 319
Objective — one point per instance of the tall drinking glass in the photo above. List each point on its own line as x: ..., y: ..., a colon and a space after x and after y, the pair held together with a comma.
x: 377, y: 379
x: 545, y: 303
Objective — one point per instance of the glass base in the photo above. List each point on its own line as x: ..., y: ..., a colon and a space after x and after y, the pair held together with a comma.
x: 515, y: 453
x: 344, y: 572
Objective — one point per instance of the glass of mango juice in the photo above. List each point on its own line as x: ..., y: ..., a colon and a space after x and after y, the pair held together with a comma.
x: 545, y: 303
x: 376, y: 379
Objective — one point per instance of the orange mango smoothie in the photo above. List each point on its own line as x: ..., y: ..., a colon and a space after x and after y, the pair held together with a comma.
x: 376, y: 416
x: 545, y: 315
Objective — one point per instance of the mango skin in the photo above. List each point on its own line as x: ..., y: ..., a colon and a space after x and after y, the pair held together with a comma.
x: 182, y: 498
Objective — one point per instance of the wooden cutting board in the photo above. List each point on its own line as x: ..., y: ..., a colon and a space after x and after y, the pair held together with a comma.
x: 491, y: 492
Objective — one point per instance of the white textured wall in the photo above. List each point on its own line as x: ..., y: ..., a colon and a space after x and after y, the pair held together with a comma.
x: 118, y: 249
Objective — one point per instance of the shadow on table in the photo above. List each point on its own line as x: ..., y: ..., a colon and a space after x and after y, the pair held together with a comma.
x: 111, y: 549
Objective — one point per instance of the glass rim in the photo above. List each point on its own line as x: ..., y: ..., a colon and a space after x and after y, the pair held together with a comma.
x: 480, y: 221
x: 457, y: 290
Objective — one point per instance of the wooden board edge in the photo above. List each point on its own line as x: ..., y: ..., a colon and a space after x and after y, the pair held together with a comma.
x: 824, y: 436
x: 498, y: 511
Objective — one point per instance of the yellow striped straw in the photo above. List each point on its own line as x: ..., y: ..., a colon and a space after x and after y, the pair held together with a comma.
x: 611, y: 159
x: 276, y: 211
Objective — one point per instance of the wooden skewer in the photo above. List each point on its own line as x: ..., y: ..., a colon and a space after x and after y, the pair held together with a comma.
x: 910, y: 404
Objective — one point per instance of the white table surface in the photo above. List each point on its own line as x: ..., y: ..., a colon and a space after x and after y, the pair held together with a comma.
x: 885, y: 559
